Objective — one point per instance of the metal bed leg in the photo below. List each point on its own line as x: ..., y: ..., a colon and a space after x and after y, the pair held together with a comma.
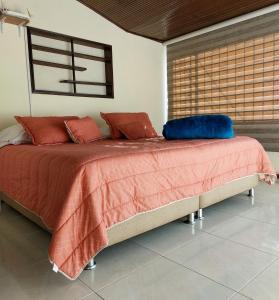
x: 91, y: 265
x: 200, y: 214
x: 251, y: 194
x: 1, y: 205
x: 191, y: 219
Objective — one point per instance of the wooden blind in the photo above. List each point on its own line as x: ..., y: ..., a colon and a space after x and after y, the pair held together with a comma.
x: 234, y: 71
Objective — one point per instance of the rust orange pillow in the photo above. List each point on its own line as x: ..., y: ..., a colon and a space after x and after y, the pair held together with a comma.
x: 83, y: 131
x: 46, y: 130
x: 136, y: 130
x: 114, y: 120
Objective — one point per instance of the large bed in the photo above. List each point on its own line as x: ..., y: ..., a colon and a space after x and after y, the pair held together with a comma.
x: 92, y: 196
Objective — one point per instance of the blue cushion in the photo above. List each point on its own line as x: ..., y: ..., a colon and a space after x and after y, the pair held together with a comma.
x: 199, y: 127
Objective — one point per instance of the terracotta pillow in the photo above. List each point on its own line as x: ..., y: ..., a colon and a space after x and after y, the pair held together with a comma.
x: 114, y: 120
x: 83, y: 131
x: 136, y: 130
x: 46, y: 130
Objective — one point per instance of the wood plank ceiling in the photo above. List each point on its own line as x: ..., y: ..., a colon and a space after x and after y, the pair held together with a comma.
x: 163, y: 20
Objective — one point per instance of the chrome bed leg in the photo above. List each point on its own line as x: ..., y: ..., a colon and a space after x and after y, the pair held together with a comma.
x: 251, y: 194
x: 200, y: 214
x: 191, y: 219
x: 91, y: 265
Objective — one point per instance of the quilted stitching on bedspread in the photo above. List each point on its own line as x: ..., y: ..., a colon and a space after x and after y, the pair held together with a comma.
x: 81, y: 190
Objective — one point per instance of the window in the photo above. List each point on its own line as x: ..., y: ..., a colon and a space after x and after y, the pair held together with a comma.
x: 234, y: 71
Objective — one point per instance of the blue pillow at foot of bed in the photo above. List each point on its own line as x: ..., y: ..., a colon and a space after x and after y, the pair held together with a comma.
x: 199, y: 127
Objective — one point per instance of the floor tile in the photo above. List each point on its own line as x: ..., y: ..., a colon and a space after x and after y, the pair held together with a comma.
x: 17, y: 251
x: 248, y: 232
x: 164, y: 280
x: 13, y: 223
x: 238, y: 296
x: 226, y: 262
x: 265, y: 208
x: 266, y: 213
x: 242, y: 205
x: 168, y: 237
x: 92, y: 296
x: 115, y: 262
x: 38, y: 281
x: 267, y: 194
x: 213, y: 219
x: 265, y: 286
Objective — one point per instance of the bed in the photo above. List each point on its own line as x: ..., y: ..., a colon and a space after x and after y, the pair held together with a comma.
x: 96, y: 195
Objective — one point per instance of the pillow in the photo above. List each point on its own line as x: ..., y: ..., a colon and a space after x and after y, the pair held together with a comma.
x: 14, y: 135
x: 46, y: 130
x: 199, y: 127
x: 83, y: 131
x: 136, y: 130
x: 115, y: 119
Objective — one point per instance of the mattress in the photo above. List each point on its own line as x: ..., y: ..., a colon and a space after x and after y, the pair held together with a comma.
x: 80, y: 191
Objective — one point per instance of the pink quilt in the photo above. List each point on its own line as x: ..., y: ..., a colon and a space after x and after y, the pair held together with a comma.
x: 79, y: 191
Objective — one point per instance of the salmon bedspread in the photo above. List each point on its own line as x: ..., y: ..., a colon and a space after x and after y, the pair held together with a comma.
x: 79, y: 191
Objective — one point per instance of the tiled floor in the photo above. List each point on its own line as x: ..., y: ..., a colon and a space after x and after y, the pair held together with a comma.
x: 232, y: 254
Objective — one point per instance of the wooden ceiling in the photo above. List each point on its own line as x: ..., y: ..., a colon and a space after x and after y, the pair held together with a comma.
x: 163, y: 20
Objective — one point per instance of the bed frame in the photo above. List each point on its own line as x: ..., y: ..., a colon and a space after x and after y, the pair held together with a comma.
x: 149, y: 220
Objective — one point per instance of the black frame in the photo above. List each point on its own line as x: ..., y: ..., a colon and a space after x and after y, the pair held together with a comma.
x: 107, y: 60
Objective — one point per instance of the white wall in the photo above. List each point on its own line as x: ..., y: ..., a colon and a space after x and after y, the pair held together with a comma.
x: 137, y: 62
x: 13, y: 80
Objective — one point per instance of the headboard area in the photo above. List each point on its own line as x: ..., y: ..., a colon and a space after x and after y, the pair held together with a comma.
x: 137, y: 66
